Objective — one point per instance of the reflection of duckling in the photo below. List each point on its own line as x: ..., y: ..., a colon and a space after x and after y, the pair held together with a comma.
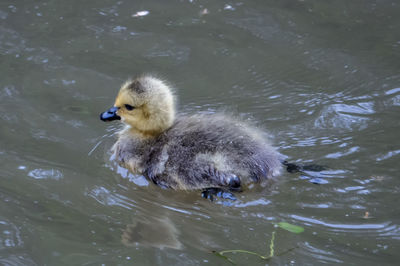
x: 160, y: 233
x: 186, y: 152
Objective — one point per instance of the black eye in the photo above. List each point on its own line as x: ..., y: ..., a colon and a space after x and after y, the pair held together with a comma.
x: 129, y: 107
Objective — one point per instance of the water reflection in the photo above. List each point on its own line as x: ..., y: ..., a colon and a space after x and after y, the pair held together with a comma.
x: 158, y: 233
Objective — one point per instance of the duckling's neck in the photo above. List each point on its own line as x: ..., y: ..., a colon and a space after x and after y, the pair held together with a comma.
x: 140, y: 134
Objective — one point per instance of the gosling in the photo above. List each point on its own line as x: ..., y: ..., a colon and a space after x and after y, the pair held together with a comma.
x: 186, y: 152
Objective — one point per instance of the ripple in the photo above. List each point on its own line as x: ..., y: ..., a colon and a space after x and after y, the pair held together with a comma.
x: 388, y: 155
x: 340, y: 154
x: 46, y: 174
x: 177, y: 210
x: 108, y: 198
x: 257, y: 202
x: 326, y: 173
x: 9, y: 91
x: 3, y: 15
x: 319, y: 181
x: 395, y: 101
x: 263, y: 26
x: 321, y: 254
x: 12, y: 43
x: 10, y: 235
x: 139, y: 180
x: 392, y: 91
x: 317, y: 206
x: 95, y: 28
x: 392, y: 231
x: 354, y: 188
x: 11, y: 260
x: 379, y: 227
x: 169, y: 49
x: 345, y: 116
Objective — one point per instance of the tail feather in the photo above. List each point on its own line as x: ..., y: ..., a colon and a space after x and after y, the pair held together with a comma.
x: 295, y: 168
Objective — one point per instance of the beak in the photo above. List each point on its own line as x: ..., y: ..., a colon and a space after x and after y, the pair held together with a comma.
x: 110, y: 115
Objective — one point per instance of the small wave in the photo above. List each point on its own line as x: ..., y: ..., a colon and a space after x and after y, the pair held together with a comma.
x: 392, y: 91
x: 384, y: 228
x: 11, y: 259
x: 258, y: 202
x: 340, y: 154
x: 177, y: 209
x: 320, y: 254
x: 10, y: 235
x: 388, y: 155
x: 139, y: 180
x: 46, y: 174
x: 345, y: 116
x: 108, y: 198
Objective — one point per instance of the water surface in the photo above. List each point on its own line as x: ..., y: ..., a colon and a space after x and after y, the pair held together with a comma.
x: 322, y: 77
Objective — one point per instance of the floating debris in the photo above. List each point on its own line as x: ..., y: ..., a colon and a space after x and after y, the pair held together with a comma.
x: 367, y: 216
x: 141, y: 14
x: 204, y: 12
x: 286, y: 226
x: 228, y: 7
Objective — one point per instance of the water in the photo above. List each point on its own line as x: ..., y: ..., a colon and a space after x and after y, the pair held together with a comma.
x: 323, y: 78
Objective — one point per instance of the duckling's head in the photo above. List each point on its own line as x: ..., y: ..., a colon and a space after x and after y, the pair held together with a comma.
x: 146, y: 104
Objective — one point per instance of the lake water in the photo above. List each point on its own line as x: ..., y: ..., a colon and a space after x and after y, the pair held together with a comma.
x: 321, y: 77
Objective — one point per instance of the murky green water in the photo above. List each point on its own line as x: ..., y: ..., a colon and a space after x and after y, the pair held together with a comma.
x: 322, y: 77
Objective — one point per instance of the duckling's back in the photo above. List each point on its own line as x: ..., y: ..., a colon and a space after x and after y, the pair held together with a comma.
x: 203, y: 151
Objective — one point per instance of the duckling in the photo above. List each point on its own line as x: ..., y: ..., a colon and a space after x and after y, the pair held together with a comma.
x: 186, y: 152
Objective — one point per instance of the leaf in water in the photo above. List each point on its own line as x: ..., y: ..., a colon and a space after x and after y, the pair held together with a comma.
x: 291, y: 228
